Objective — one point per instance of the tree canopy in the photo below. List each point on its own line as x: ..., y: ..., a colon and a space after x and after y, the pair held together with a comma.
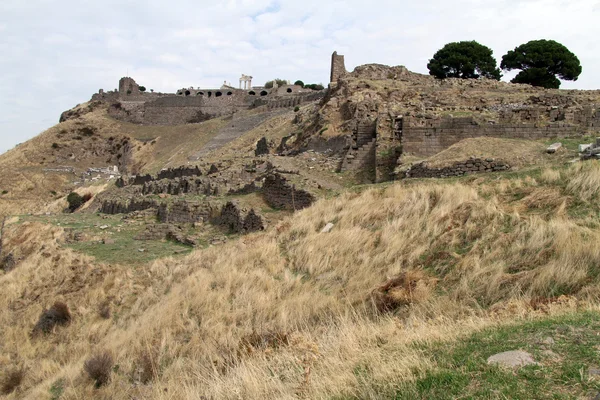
x: 540, y: 62
x: 468, y: 60
x: 299, y: 83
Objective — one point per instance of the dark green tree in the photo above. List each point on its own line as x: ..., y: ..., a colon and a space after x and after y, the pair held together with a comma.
x: 468, y: 60
x: 540, y: 62
x: 142, y: 88
x: 75, y: 201
x: 299, y: 83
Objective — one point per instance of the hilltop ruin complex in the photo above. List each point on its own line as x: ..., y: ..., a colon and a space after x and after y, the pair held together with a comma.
x: 384, y: 112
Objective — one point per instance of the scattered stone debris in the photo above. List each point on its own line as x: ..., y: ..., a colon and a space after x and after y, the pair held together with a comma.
x: 103, y: 227
x: 108, y: 241
x: 590, y: 150
x: 512, y: 359
x: 553, y: 148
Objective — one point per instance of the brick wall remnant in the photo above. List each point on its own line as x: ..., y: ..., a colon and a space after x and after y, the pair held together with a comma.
x: 459, y: 168
x: 428, y: 137
x: 278, y: 193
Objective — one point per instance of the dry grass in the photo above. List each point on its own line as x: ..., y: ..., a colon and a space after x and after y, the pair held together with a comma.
x: 99, y: 368
x: 290, y: 312
x: 516, y: 152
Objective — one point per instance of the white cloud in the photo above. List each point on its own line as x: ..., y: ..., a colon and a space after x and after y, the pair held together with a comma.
x: 56, y: 54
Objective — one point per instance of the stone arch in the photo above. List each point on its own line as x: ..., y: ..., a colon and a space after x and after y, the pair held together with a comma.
x: 218, y: 94
x: 200, y: 94
x: 289, y: 90
x: 229, y: 93
x: 209, y: 94
x: 264, y: 93
x: 252, y: 93
x: 187, y: 92
x: 179, y: 93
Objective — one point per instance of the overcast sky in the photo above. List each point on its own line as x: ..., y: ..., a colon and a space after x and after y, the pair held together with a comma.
x: 55, y: 53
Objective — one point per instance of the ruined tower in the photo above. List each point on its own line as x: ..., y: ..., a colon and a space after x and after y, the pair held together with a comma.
x: 338, y: 68
x: 128, y: 86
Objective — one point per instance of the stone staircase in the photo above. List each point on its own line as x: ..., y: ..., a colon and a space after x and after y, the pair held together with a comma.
x: 361, y: 157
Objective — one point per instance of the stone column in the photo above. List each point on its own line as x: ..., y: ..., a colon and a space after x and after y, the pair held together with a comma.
x: 250, y: 84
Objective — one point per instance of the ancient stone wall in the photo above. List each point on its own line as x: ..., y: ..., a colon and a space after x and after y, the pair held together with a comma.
x: 278, y: 193
x: 470, y: 166
x: 184, y: 212
x: 429, y: 137
x: 125, y: 207
x: 239, y: 220
x: 199, y: 185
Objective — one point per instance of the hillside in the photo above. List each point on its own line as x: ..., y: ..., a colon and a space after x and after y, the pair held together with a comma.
x: 244, y: 257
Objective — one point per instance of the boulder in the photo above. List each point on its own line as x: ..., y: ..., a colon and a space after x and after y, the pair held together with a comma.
x: 512, y: 359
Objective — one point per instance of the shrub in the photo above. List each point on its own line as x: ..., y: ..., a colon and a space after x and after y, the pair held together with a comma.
x: 12, y: 380
x: 128, y: 92
x: 4, y: 191
x: 147, y: 366
x: 299, y: 83
x: 58, y: 314
x: 75, y: 201
x: 142, y: 88
x: 104, y: 310
x: 99, y: 367
x: 55, y: 145
x: 280, y: 82
x: 296, y: 109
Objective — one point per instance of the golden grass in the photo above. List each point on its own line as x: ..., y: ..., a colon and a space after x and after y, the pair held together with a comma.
x: 472, y: 261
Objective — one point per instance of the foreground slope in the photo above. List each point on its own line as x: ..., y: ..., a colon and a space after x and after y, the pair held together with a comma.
x: 296, y: 313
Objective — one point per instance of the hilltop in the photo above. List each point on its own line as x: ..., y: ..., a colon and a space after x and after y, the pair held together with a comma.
x: 284, y: 244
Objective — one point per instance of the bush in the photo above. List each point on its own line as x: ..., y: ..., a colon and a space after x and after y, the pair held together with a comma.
x: 296, y: 109
x: 299, y: 83
x: 104, y: 310
x: 55, y: 145
x: 142, y: 88
x: 75, y: 201
x: 58, y: 314
x: 314, y: 86
x: 12, y: 380
x: 280, y: 82
x: 99, y: 368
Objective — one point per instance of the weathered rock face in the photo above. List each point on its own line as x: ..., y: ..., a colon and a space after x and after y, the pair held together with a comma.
x: 240, y: 220
x: 471, y: 166
x: 278, y: 193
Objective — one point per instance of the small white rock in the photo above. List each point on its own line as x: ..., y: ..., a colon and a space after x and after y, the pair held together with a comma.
x: 327, y: 228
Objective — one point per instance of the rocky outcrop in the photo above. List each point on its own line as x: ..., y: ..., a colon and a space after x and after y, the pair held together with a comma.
x: 262, y: 147
x: 78, y: 111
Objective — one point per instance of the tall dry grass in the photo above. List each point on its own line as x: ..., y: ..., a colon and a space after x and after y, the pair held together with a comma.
x: 205, y: 323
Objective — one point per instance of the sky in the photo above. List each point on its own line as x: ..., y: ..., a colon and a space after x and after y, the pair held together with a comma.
x: 55, y: 54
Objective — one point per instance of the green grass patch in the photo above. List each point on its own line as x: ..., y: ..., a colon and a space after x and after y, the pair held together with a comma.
x: 462, y: 370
